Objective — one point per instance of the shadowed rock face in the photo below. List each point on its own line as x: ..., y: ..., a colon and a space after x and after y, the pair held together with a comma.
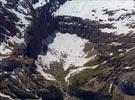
x: 12, y: 65
x: 129, y: 88
x: 127, y: 83
x: 36, y: 33
x: 83, y: 28
x: 43, y: 24
x: 7, y: 23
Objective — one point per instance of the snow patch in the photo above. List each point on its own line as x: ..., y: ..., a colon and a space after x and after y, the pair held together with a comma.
x: 129, y: 67
x: 110, y: 87
x: 115, y: 44
x: 15, y: 39
x: 40, y: 3
x: 66, y: 48
x: 111, y: 54
x: 3, y: 1
x: 45, y: 75
x: 22, y: 19
x: 13, y: 76
x: 127, y: 50
x: 5, y: 49
x: 5, y: 96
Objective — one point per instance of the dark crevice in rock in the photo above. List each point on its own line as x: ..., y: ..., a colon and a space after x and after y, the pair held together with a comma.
x: 12, y: 65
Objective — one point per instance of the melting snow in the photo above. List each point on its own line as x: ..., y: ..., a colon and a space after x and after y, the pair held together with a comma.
x: 97, y: 10
x: 45, y: 75
x: 66, y: 48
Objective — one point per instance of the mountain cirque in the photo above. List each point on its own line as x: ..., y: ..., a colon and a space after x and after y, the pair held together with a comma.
x: 67, y: 50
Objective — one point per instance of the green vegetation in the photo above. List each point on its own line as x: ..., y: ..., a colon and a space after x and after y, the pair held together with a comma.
x: 129, y: 56
x: 92, y: 62
x: 86, y: 74
x: 85, y: 94
x: 57, y: 70
x: 78, y: 86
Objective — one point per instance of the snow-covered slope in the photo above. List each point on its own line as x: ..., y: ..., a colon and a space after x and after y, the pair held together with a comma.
x: 67, y: 49
x: 119, y: 13
x: 15, y: 17
x: 20, y: 11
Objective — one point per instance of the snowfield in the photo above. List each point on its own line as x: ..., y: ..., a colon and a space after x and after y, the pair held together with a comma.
x: 66, y: 49
x: 119, y: 13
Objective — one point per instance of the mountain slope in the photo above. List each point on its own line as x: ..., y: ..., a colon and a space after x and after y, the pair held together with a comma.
x: 67, y: 49
x: 118, y: 13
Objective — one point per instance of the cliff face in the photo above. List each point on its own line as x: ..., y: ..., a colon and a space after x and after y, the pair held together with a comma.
x: 42, y: 25
x: 83, y: 28
x: 39, y: 29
